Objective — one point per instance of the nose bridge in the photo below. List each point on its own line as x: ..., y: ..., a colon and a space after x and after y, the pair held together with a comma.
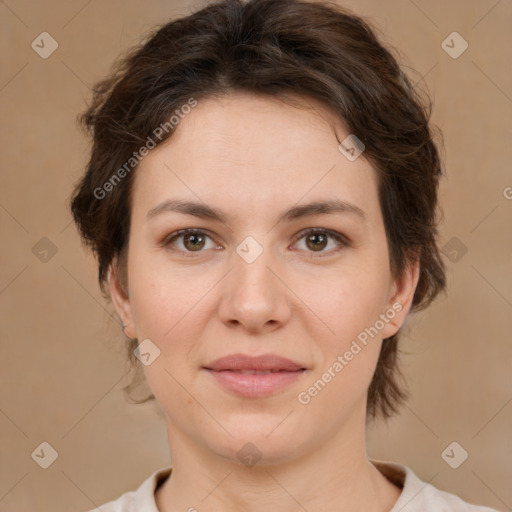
x: 254, y: 297
x: 252, y: 274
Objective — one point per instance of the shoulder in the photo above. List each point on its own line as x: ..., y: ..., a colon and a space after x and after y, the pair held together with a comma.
x: 143, y: 498
x: 419, y: 496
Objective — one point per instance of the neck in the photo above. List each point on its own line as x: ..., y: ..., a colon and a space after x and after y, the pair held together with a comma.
x: 336, y: 476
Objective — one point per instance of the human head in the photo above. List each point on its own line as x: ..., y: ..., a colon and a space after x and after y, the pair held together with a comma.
x: 278, y: 49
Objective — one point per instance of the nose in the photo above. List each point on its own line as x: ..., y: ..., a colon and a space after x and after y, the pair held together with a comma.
x: 254, y: 296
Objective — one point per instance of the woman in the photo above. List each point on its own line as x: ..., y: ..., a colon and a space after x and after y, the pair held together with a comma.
x: 261, y: 196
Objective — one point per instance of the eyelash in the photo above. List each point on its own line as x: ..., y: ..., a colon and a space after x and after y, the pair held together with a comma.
x: 342, y: 240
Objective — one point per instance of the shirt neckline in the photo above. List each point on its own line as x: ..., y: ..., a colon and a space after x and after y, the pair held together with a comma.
x: 397, y: 474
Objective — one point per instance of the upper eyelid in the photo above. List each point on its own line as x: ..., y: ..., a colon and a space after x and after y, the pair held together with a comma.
x: 330, y: 232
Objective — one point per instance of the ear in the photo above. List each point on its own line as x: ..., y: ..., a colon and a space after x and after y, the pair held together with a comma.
x: 120, y: 299
x: 400, y: 298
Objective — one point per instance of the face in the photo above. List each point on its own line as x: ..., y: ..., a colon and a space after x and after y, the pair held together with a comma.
x: 254, y: 268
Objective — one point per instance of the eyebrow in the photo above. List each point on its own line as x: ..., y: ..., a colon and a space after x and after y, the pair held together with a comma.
x: 204, y: 211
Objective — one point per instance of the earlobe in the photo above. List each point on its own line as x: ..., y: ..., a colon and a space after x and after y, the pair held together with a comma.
x: 120, y: 300
x: 401, y: 299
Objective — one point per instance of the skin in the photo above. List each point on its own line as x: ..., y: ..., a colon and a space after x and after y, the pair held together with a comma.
x: 253, y: 158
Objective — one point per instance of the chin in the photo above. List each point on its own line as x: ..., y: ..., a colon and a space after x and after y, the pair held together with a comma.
x: 268, y: 442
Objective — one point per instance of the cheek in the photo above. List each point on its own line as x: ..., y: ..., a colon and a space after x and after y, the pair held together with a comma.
x: 164, y: 298
x: 167, y: 309
x: 351, y: 308
x: 352, y: 299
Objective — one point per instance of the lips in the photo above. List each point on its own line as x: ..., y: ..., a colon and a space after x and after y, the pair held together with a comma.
x: 255, y: 376
x: 266, y: 363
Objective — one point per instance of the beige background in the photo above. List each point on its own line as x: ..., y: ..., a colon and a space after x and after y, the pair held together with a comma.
x: 62, y: 361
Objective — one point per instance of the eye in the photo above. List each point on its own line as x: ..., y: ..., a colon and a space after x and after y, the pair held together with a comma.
x: 317, y: 239
x: 192, y: 240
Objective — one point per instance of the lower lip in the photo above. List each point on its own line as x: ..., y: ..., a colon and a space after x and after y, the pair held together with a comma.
x: 255, y: 385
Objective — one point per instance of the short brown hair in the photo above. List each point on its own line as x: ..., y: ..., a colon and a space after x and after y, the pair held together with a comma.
x: 273, y: 47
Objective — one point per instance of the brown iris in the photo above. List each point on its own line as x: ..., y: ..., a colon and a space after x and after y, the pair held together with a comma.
x: 193, y: 241
x: 316, y: 241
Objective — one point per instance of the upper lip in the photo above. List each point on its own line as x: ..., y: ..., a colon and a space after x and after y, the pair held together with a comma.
x: 262, y: 362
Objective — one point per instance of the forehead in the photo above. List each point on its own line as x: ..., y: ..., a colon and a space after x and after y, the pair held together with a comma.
x: 265, y: 149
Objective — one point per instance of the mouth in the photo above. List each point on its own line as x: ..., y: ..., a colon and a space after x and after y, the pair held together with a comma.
x: 255, y: 376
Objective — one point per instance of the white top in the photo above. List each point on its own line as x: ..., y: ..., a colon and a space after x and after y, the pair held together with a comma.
x: 417, y: 496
